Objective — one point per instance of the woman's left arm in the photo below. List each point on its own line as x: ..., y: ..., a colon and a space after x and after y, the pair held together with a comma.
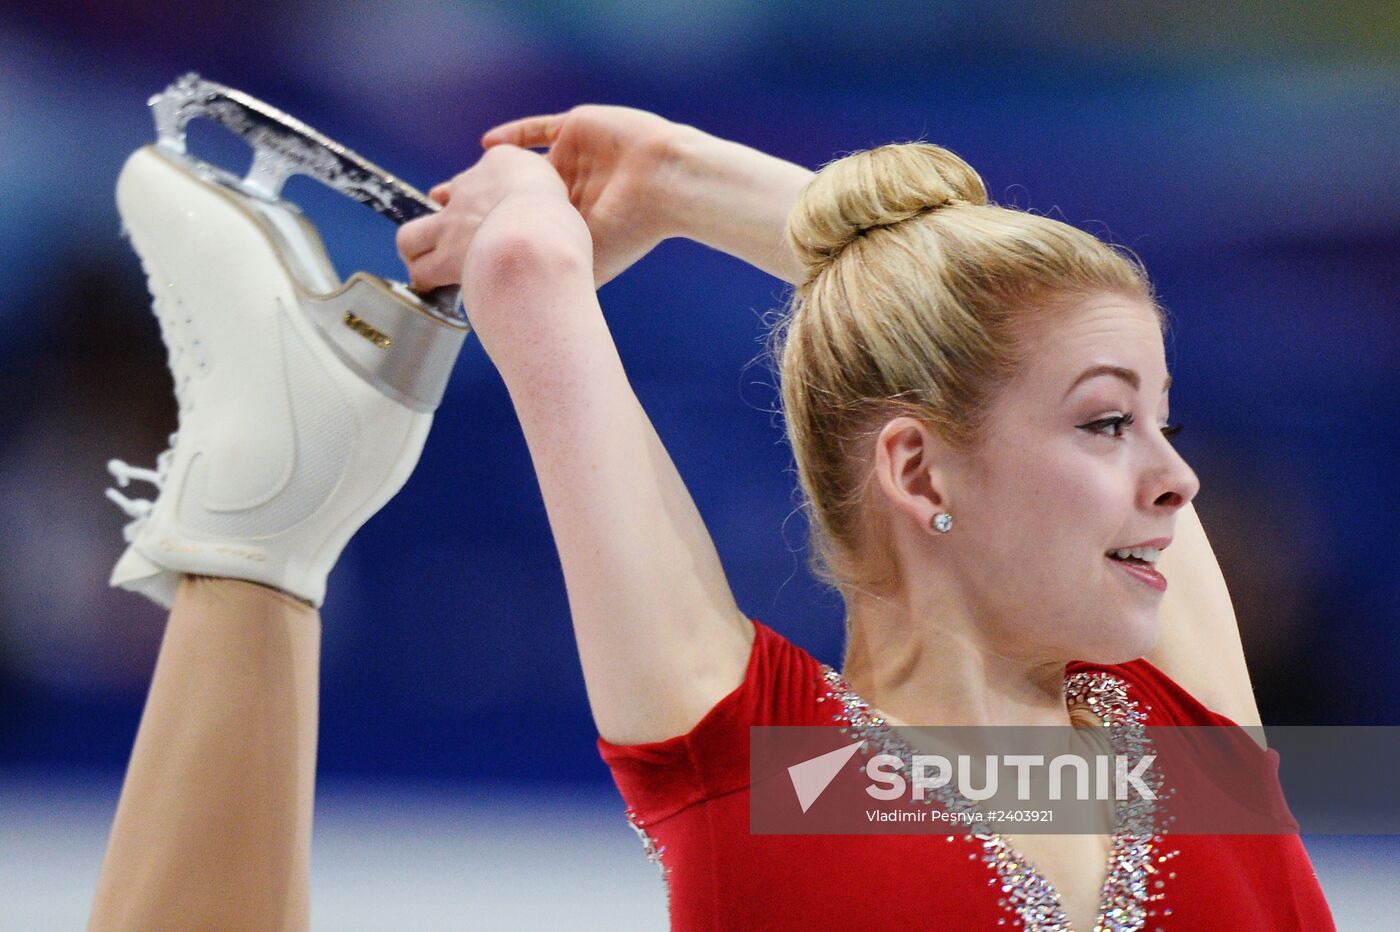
x: 1200, y: 646
x: 637, y: 178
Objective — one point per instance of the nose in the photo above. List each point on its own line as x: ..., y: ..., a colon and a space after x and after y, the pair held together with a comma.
x: 1173, y: 483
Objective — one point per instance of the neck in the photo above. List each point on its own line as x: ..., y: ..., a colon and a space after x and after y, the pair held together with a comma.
x: 925, y: 659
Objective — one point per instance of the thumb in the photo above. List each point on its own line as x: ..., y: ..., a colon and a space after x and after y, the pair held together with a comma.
x: 531, y: 132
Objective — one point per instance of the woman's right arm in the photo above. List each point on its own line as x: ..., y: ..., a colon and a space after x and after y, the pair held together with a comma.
x: 638, y: 178
x: 660, y: 637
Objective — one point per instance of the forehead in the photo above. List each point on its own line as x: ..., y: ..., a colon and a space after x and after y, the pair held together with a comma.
x: 1105, y: 330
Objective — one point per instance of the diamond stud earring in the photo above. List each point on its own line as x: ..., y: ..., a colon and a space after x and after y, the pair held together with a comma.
x: 942, y: 522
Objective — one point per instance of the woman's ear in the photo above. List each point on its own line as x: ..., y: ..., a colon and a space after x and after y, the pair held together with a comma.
x: 909, y: 467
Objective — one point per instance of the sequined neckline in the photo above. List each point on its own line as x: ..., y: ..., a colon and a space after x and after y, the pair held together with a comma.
x: 1134, y: 860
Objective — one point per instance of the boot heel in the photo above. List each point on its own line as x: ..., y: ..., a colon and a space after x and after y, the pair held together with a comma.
x: 382, y: 331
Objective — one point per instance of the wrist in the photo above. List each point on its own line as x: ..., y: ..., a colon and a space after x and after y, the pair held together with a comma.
x: 730, y: 197
x: 683, y: 180
x: 529, y: 234
x: 529, y: 254
x: 520, y: 260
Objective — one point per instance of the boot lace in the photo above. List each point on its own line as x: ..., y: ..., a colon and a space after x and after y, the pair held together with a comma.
x: 138, y: 509
x: 185, y: 355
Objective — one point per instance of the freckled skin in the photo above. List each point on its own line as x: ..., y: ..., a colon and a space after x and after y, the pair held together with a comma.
x: 1040, y: 503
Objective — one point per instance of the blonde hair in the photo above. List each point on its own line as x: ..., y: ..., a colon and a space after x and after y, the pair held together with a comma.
x: 919, y: 299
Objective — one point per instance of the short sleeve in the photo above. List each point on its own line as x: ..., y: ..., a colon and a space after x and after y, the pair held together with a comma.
x: 1165, y: 701
x: 1228, y: 767
x: 781, y: 685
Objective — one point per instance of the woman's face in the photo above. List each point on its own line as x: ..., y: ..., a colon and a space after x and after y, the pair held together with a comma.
x: 1074, y: 465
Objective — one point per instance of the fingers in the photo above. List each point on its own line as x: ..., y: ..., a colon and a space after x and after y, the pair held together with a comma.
x: 531, y: 132
x: 416, y: 237
x: 441, y: 193
x: 430, y: 271
x: 433, y: 269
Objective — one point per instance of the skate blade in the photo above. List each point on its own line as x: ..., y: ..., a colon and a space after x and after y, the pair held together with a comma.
x: 284, y: 146
x: 379, y: 329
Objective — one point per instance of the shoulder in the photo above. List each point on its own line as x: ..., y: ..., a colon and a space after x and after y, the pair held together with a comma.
x: 781, y: 683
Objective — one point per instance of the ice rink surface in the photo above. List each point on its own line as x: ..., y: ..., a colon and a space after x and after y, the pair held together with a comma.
x: 471, y: 858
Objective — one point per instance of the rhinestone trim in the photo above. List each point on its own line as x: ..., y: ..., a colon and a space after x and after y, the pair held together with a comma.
x: 1028, y: 896
x: 653, y: 851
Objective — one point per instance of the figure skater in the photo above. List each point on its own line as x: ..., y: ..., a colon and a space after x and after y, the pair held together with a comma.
x: 976, y: 400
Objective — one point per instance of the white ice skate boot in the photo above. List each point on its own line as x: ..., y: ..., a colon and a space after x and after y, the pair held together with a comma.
x: 303, y: 401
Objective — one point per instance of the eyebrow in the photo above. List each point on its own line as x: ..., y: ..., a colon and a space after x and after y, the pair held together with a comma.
x: 1127, y: 375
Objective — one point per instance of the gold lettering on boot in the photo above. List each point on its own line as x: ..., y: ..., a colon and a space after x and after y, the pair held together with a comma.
x: 370, y: 333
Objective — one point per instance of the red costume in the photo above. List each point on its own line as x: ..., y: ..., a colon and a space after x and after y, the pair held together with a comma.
x: 688, y: 798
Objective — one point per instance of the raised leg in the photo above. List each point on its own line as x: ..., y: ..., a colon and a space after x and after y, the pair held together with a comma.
x: 299, y: 417
x: 213, y: 829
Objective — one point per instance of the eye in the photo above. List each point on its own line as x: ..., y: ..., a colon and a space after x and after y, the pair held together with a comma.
x: 1114, y: 426
x: 1109, y: 426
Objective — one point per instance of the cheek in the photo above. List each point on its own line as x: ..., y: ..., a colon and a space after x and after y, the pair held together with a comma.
x: 1086, y: 490
x: 1060, y: 491
x: 1048, y: 514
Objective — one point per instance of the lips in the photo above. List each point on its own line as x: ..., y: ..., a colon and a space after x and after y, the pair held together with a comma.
x: 1141, y: 571
x: 1159, y: 542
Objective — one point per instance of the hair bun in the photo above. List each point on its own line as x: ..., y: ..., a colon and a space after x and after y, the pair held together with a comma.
x: 876, y: 188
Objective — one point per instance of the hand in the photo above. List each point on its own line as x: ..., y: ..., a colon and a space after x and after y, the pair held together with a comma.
x: 614, y: 162
x: 509, y: 196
